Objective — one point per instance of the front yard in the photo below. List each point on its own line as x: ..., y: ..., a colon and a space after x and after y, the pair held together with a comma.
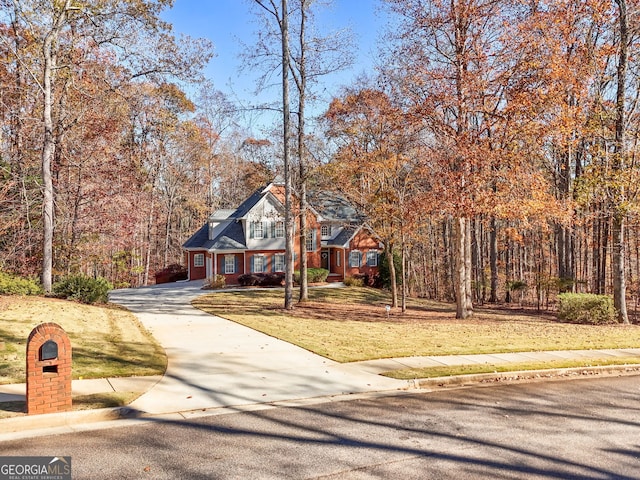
x: 351, y: 324
x: 107, y: 341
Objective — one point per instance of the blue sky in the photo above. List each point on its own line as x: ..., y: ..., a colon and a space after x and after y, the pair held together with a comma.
x: 225, y: 21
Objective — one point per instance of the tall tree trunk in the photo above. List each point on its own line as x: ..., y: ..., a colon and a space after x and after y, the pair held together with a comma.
x: 302, y: 86
x: 149, y: 235
x: 493, y: 260
x: 404, y: 275
x: 388, y: 247
x: 286, y: 121
x: 618, y: 221
x: 462, y: 266
x: 49, y: 147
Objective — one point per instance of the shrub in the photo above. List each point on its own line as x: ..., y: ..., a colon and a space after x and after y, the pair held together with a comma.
x: 261, y: 279
x: 314, y: 275
x: 354, y: 282
x: 271, y: 279
x: 83, y: 289
x: 14, y: 285
x: 586, y: 308
x: 214, y: 283
x: 384, y: 279
x: 248, y: 279
x: 171, y: 273
x: 317, y: 275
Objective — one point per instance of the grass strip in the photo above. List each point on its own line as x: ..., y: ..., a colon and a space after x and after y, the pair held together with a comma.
x: 433, y: 372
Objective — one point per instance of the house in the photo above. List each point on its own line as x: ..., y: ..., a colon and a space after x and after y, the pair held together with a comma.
x: 251, y: 239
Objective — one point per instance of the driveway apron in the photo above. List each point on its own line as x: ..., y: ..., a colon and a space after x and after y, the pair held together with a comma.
x: 213, y: 362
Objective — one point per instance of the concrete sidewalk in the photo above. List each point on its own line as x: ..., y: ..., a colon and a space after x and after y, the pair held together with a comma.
x: 215, y: 363
x: 148, y: 385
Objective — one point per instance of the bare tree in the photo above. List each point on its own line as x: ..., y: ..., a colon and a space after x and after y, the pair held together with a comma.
x: 64, y: 31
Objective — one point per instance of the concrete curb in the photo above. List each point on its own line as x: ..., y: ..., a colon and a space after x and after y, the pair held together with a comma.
x: 47, y: 421
x: 523, y: 375
x: 14, y: 428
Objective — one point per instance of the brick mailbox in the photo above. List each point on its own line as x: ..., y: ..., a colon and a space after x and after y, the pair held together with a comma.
x: 48, y: 370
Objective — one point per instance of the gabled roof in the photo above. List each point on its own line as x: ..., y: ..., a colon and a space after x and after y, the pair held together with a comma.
x: 231, y: 238
x: 248, y: 204
x: 344, y: 236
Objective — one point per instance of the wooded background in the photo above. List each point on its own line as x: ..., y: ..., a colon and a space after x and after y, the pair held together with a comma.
x: 494, y: 149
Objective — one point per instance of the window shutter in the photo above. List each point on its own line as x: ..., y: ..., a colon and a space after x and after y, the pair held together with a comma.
x: 251, y: 232
x: 237, y: 269
x: 314, y: 232
x: 273, y: 229
x: 265, y: 229
x: 361, y: 259
x: 252, y: 257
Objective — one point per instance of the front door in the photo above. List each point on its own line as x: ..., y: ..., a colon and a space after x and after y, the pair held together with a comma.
x: 324, y: 259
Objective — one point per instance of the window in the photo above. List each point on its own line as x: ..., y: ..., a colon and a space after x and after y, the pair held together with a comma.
x: 258, y: 264
x: 258, y: 230
x: 372, y: 258
x: 198, y: 260
x: 278, y: 262
x: 229, y: 264
x: 310, y: 241
x: 354, y: 258
x: 325, y: 230
x: 279, y: 229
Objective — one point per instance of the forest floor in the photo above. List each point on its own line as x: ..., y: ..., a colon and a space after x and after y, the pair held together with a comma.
x: 352, y: 324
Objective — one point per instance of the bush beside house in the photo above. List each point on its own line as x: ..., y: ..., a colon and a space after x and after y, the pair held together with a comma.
x: 172, y: 273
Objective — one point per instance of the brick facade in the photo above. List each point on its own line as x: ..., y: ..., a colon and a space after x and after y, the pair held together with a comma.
x: 48, y: 381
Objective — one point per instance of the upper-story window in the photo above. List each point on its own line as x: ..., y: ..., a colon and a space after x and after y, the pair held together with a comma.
x: 325, y: 230
x: 257, y: 229
x: 279, y: 230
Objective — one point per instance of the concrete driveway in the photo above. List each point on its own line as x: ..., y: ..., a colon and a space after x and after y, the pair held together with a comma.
x: 213, y: 362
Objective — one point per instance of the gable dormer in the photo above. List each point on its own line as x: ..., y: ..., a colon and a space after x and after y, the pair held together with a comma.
x: 218, y: 222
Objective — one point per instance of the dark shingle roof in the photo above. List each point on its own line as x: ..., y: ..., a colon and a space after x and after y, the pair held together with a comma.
x: 248, y: 204
x: 333, y: 207
x: 344, y: 236
x: 200, y: 239
x: 231, y: 238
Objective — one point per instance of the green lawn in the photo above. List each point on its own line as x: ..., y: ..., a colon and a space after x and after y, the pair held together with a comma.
x: 351, y: 324
x: 106, y: 341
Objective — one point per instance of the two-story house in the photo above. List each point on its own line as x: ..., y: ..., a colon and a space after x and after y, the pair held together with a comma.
x: 251, y: 239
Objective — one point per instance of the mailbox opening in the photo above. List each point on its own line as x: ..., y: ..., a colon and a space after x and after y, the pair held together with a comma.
x: 49, y: 350
x: 50, y: 369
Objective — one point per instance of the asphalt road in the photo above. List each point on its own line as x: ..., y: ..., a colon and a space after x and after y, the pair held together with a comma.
x: 586, y: 429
